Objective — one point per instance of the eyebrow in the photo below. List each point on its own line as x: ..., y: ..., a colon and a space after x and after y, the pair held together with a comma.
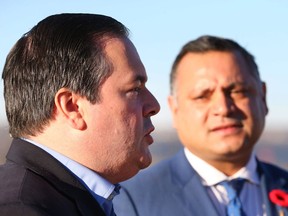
x: 229, y: 86
x: 142, y: 79
x: 235, y: 84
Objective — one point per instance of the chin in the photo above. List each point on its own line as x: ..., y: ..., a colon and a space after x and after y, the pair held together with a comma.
x: 231, y: 145
x: 145, y: 161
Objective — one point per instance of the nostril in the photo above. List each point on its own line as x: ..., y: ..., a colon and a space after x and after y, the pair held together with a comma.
x: 154, y: 111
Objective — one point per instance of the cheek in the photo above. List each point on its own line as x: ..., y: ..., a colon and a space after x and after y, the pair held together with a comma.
x: 190, y: 121
x: 258, y: 113
x: 135, y: 117
x: 131, y: 126
x: 131, y: 119
x: 253, y: 116
x: 132, y: 110
x: 195, y: 116
x: 249, y: 110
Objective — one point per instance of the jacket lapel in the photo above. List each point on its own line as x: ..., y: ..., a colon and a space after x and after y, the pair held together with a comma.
x: 197, y: 198
x: 190, y: 187
x: 42, y: 163
x: 83, y: 199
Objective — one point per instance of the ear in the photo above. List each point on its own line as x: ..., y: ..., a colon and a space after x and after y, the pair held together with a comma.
x: 69, y: 106
x: 172, y: 102
x: 264, y: 92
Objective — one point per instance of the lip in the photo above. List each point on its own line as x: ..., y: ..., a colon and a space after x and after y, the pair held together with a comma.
x: 148, y: 136
x: 231, y: 127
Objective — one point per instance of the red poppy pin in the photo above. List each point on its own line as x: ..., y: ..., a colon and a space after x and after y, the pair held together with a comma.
x: 279, y: 197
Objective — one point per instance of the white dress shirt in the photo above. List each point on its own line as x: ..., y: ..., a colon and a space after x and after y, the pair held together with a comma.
x: 102, y: 190
x: 250, y: 197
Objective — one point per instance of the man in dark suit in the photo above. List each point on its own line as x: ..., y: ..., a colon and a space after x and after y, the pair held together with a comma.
x: 218, y: 103
x: 80, y: 116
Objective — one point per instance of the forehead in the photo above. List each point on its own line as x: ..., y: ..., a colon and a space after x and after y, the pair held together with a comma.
x: 124, y: 58
x: 127, y: 65
x: 213, y: 65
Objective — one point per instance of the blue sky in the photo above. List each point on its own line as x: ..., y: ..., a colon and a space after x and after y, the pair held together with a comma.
x: 160, y: 28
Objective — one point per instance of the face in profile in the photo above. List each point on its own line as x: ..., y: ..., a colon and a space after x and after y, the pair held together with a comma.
x: 218, y: 106
x: 121, y: 122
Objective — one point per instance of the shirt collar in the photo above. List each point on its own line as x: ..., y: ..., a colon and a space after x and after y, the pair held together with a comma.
x: 91, y: 179
x: 211, y: 176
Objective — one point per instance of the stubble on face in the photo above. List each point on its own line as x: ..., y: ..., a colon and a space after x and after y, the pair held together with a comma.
x: 118, y: 119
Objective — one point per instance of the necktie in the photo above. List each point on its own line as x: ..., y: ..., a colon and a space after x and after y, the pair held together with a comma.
x: 108, y: 208
x: 233, y: 189
x: 108, y: 205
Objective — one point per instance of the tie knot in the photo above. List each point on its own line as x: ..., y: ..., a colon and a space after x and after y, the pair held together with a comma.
x: 237, y: 184
x: 233, y: 187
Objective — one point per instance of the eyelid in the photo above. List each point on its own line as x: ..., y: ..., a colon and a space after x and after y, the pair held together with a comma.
x: 141, y: 80
x: 201, y: 95
x: 137, y: 88
x: 237, y: 85
x: 238, y: 90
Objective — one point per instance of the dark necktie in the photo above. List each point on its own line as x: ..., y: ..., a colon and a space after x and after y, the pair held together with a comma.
x: 233, y: 189
x: 108, y: 208
x: 108, y: 205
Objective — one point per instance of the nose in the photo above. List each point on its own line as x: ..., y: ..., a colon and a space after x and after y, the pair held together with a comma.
x: 151, y: 107
x: 223, y: 105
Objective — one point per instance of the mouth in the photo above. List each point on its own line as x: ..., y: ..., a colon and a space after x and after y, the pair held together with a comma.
x: 148, y: 136
x: 227, y: 128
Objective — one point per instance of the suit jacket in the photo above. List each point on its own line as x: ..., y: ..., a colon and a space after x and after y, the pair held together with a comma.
x: 172, y: 187
x: 32, y: 182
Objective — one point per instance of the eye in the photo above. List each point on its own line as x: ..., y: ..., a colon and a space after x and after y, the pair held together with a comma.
x: 137, y: 89
x: 200, y: 97
x: 134, y: 91
x: 239, y: 92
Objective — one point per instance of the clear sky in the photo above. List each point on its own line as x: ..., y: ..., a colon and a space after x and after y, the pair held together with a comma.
x: 160, y: 28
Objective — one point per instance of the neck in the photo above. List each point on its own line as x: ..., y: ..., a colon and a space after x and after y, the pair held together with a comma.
x: 230, y: 166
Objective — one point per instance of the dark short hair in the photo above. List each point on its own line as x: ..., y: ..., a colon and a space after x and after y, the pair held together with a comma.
x: 63, y: 50
x: 208, y: 43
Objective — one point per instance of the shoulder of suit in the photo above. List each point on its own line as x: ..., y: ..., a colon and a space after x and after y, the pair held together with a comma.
x: 274, y: 173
